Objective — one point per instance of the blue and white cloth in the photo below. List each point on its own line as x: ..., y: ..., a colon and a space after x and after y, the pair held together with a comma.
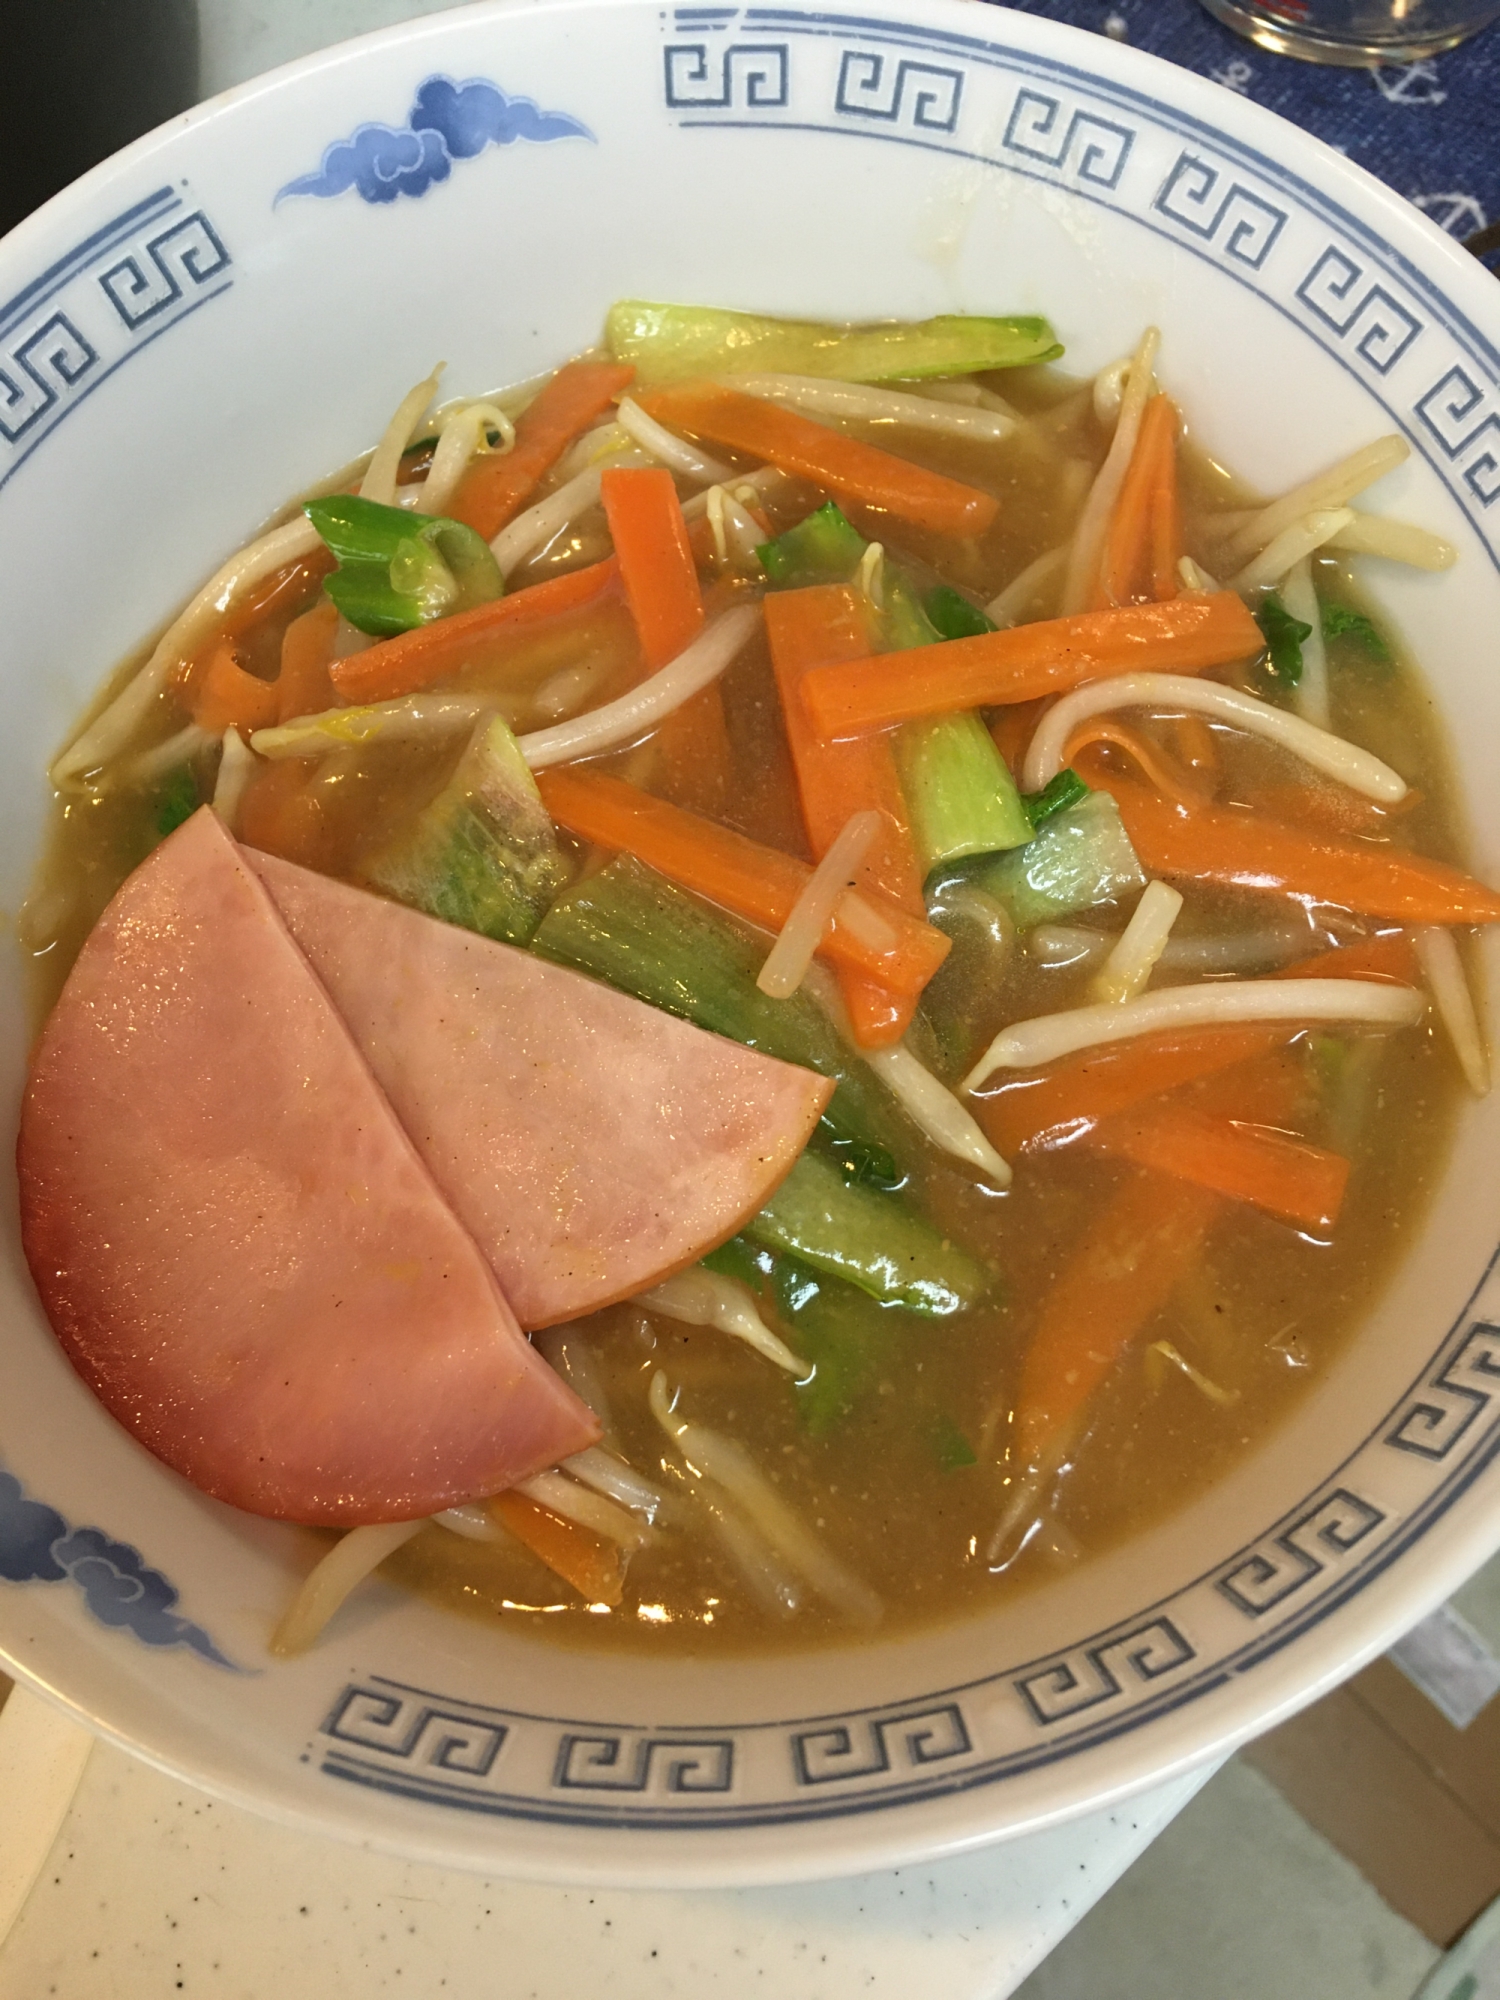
x: 1430, y: 129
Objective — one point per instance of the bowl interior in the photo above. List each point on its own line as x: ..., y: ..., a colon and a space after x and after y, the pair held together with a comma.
x: 232, y: 308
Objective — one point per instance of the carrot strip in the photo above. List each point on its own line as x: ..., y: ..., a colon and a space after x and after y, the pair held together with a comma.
x: 697, y: 756
x: 1061, y: 1101
x: 806, y: 629
x: 1392, y: 959
x: 1130, y: 1260
x: 1270, y: 1089
x: 304, y: 686
x: 226, y: 697
x: 494, y: 488
x: 1013, y: 729
x: 1139, y: 560
x: 656, y: 561
x: 1244, y: 850
x: 1290, y: 1179
x: 1197, y: 750
x: 595, y: 1568
x: 1104, y: 731
x: 437, y: 651
x: 755, y: 882
x: 1027, y: 661
x: 812, y: 451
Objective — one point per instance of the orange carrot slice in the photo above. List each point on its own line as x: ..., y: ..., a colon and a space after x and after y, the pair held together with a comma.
x: 437, y: 651
x: 1027, y: 661
x: 1139, y: 1245
x: 1391, y: 958
x: 303, y: 687
x: 656, y: 561
x: 495, y: 487
x: 1107, y: 732
x: 1288, y: 1178
x: 226, y: 697
x: 806, y: 629
x: 594, y: 1567
x: 1244, y: 850
x: 808, y: 450
x: 1067, y: 1097
x: 1141, y: 545
x: 755, y: 882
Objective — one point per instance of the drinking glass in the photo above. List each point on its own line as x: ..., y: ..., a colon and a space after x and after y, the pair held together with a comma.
x: 1356, y: 33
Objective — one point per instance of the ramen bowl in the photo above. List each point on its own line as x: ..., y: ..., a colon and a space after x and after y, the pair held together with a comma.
x: 213, y: 319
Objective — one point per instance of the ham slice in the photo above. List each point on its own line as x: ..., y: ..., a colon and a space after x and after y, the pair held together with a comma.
x: 237, y: 1244
x: 592, y: 1144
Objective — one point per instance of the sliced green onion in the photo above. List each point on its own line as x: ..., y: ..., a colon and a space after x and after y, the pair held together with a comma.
x: 1065, y: 790
x: 1283, y: 635
x: 667, y: 343
x: 398, y: 570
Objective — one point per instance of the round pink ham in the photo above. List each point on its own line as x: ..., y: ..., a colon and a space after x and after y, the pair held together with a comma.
x: 591, y: 1143
x: 234, y: 1239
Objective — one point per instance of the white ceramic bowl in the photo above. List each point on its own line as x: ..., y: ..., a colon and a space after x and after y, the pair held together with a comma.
x: 207, y: 323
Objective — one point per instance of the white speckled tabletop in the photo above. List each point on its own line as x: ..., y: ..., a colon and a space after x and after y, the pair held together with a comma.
x: 144, y: 1887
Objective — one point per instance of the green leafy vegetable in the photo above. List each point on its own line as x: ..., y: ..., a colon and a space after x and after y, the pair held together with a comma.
x: 177, y: 801
x: 398, y: 570
x: 1081, y: 857
x: 741, y: 1259
x: 843, y: 1333
x: 1283, y: 635
x: 873, y: 1241
x: 825, y: 547
x: 668, y: 343
x: 1339, y: 622
x: 954, y: 1452
x: 953, y: 616
x: 1065, y: 790
x: 484, y: 854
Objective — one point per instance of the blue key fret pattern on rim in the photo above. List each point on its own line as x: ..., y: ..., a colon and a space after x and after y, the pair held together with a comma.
x: 110, y: 297
x: 1297, y: 248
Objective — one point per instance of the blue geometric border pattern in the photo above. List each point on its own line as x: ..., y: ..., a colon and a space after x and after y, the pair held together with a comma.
x: 1427, y: 1452
x: 119, y: 1587
x: 91, y: 311
x: 1225, y: 202
x: 448, y: 122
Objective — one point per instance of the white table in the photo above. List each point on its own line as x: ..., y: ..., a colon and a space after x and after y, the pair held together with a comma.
x: 142, y: 1886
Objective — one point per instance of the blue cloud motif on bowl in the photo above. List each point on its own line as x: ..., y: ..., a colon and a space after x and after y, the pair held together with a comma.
x: 119, y: 1587
x: 449, y: 121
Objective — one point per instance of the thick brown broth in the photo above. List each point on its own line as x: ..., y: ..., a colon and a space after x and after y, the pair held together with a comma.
x: 906, y: 1485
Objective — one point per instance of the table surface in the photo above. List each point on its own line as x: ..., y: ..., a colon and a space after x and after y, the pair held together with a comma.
x: 142, y: 1886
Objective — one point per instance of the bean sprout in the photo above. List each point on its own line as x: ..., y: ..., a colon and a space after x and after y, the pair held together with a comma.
x: 461, y: 436
x: 652, y: 702
x: 379, y: 482
x: 236, y: 768
x: 533, y: 530
x: 1133, y: 958
x: 729, y: 1465
x: 1331, y: 489
x: 352, y: 1558
x: 1005, y: 609
x: 1026, y: 1044
x: 1329, y: 754
x: 861, y: 402
x: 670, y: 449
x: 938, y: 1113
x: 412, y: 719
x: 1310, y: 695
x: 1443, y: 969
x: 809, y: 917
x: 1293, y: 545
x: 1088, y: 536
x: 699, y: 1297
x: 1397, y: 541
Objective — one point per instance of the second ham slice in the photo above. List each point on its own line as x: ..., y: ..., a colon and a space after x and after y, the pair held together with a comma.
x: 592, y: 1144
x: 234, y: 1239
